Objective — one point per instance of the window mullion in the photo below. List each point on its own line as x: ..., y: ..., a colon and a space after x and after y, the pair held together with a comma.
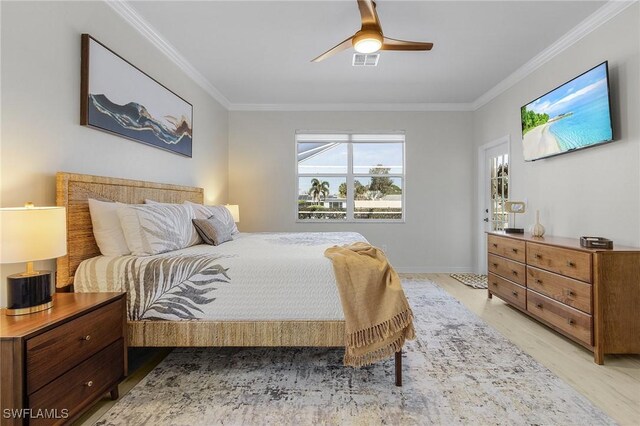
x: 350, y: 194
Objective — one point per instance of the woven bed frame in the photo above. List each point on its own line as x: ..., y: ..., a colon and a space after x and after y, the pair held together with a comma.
x: 73, y: 191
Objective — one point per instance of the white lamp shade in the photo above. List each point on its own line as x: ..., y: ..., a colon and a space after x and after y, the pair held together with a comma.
x: 235, y: 211
x: 32, y: 233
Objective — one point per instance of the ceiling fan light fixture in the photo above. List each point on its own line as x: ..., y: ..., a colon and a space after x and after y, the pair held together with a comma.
x: 367, y: 42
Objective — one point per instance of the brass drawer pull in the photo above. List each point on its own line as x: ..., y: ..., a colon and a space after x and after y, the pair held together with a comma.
x: 570, y: 293
x: 89, y: 383
x: 515, y: 293
x: 539, y: 305
x: 87, y: 337
x: 495, y: 265
x: 539, y: 282
x: 495, y: 245
x: 495, y: 283
x: 570, y: 264
x: 515, y: 250
x: 514, y: 273
x: 537, y: 256
x: 571, y: 322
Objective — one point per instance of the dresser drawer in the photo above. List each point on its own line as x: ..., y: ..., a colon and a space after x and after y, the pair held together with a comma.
x: 566, y: 290
x: 572, y: 263
x: 506, y: 247
x: 50, y: 354
x: 509, y: 269
x: 571, y: 321
x: 75, y: 389
x: 508, y: 291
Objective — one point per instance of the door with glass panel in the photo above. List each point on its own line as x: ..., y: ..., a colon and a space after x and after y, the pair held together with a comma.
x: 495, y: 184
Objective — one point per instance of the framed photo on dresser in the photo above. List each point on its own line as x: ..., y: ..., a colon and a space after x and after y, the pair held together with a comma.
x: 119, y: 98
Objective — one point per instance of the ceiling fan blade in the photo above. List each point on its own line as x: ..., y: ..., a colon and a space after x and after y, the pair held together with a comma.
x: 369, y: 15
x: 336, y: 49
x: 393, y: 44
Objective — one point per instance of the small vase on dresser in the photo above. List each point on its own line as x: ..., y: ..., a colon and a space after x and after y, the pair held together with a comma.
x: 537, y: 230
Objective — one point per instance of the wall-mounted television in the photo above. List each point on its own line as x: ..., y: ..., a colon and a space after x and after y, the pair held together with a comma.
x: 573, y: 116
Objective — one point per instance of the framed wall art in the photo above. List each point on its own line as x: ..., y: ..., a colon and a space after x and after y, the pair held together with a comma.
x: 119, y: 98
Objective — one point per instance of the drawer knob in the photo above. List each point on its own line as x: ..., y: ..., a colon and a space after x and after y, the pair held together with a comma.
x: 495, y: 265
x: 539, y: 305
x: 515, y: 293
x: 514, y: 273
x: 570, y: 293
x: 537, y: 256
x: 87, y: 337
x: 89, y: 383
x: 495, y: 245
x: 495, y: 283
x: 539, y: 282
x: 570, y: 264
x: 515, y: 250
x: 570, y: 322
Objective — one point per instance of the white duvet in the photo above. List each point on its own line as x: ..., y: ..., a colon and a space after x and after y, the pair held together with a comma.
x: 256, y: 277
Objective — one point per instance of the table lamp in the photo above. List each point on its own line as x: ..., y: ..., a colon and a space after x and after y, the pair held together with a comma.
x: 28, y: 234
x: 235, y: 211
x: 514, y: 207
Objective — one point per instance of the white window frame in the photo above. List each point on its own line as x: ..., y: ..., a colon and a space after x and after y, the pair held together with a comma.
x: 351, y: 176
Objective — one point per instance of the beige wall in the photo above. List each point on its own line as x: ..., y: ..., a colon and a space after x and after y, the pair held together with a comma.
x: 591, y: 192
x: 40, y: 109
x: 435, y: 236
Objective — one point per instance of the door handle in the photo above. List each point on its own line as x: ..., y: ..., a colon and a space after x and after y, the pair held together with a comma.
x: 486, y: 219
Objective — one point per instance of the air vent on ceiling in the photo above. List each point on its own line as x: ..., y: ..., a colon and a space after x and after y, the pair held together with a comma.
x: 365, y: 60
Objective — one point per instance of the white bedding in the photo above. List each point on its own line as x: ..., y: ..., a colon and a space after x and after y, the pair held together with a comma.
x: 257, y: 277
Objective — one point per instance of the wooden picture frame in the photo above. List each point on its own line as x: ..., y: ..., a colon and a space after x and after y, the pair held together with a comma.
x: 119, y: 98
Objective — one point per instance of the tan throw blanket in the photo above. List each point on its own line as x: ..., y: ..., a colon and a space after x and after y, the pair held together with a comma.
x: 377, y: 315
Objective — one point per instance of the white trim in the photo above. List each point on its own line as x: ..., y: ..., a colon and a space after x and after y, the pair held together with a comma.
x: 385, y: 107
x: 593, y: 21
x: 432, y: 269
x: 481, y: 191
x: 131, y: 16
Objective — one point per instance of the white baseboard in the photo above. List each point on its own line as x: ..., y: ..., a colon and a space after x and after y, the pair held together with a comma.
x: 433, y: 269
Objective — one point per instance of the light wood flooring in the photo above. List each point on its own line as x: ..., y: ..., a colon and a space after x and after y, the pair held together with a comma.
x: 613, y: 387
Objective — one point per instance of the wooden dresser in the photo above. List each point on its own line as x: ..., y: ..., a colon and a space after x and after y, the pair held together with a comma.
x: 592, y: 296
x: 56, y: 363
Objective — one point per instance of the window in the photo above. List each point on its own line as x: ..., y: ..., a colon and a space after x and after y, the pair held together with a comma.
x: 350, y: 177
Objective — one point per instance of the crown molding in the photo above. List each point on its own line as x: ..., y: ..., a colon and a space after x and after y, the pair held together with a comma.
x: 593, y: 21
x: 386, y: 107
x: 133, y: 18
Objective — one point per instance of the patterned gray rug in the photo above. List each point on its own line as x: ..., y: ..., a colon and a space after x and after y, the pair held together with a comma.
x: 458, y: 371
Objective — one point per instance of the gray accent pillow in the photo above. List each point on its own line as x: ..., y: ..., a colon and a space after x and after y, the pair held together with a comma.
x: 213, y: 231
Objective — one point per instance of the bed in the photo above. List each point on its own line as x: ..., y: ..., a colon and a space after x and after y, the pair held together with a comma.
x: 301, y: 320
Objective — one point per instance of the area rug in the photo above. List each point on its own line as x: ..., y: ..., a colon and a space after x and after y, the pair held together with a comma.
x: 471, y: 280
x: 458, y: 371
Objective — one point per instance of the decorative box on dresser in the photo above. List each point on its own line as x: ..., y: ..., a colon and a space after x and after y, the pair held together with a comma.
x: 56, y: 363
x: 590, y: 295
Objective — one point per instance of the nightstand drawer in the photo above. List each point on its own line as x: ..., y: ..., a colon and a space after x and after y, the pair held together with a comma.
x: 52, y: 353
x: 508, y: 291
x: 507, y: 247
x: 572, y: 263
x: 508, y: 269
x: 74, y: 390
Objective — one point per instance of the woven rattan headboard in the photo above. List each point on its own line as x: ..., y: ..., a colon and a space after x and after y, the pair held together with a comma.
x: 72, y: 192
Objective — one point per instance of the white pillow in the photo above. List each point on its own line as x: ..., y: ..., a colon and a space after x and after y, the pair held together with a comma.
x: 107, y: 229
x: 158, y: 228
x: 220, y: 212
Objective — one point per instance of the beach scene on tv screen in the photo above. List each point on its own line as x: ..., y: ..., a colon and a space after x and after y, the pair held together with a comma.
x: 573, y: 116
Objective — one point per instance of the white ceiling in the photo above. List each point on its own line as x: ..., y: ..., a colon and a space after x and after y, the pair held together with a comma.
x: 259, y: 52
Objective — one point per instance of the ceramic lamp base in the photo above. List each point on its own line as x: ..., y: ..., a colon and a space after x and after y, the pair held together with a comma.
x: 28, y: 293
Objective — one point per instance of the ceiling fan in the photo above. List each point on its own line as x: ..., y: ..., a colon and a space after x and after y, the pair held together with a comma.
x: 370, y: 38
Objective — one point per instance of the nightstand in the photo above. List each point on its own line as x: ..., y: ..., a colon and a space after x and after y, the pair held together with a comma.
x: 56, y: 363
